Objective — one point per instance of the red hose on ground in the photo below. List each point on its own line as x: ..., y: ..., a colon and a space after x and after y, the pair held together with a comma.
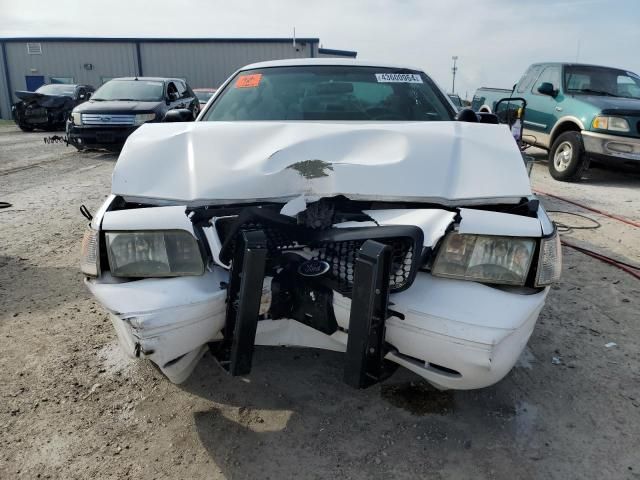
x: 610, y: 215
x: 603, y: 258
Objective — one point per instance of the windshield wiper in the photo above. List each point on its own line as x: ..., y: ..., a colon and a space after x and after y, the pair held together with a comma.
x: 125, y: 100
x: 597, y: 92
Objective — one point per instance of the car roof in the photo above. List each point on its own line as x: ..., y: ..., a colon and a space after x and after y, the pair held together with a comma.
x: 301, y: 62
x: 153, y: 79
x: 573, y: 64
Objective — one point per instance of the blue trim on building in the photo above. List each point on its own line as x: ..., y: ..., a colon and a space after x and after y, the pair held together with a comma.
x: 342, y: 53
x: 139, y: 59
x: 7, y: 79
x: 158, y: 40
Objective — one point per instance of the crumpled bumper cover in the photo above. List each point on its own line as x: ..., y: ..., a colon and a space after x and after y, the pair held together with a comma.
x: 474, y: 331
x: 170, y: 320
x: 165, y: 319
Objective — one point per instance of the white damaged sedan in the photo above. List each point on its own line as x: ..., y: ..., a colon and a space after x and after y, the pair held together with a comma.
x: 328, y: 204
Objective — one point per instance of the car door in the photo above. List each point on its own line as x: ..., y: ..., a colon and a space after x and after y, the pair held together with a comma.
x: 542, y: 110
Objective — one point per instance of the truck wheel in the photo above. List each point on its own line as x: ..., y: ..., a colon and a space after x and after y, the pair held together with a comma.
x: 567, y: 158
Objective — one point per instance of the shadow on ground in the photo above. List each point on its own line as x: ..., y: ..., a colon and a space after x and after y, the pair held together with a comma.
x: 402, y: 428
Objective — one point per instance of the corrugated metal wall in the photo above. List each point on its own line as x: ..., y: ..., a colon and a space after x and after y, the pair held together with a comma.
x: 5, y: 104
x: 66, y: 59
x: 209, y: 64
x: 204, y: 63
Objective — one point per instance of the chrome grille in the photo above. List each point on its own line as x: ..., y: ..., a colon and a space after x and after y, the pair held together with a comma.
x: 107, y: 119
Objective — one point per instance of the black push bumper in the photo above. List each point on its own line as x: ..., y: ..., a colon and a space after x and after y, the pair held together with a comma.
x: 365, y: 353
x: 98, y: 136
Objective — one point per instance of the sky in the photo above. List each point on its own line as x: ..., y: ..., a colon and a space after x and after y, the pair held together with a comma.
x: 495, y: 40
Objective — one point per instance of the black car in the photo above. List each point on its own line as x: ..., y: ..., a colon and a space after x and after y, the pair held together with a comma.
x: 48, y: 108
x: 121, y: 105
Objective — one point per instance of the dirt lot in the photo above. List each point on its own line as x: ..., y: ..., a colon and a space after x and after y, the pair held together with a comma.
x: 73, y: 407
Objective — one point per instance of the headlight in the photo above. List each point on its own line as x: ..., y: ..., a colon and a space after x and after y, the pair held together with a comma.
x: 483, y: 258
x: 153, y: 254
x: 144, y: 117
x: 90, y: 253
x: 615, y: 124
x: 76, y: 118
x: 550, y: 261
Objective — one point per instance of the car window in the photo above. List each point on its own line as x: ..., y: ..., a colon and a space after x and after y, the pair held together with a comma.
x: 204, y: 96
x: 57, y: 89
x: 594, y: 80
x: 550, y: 74
x: 524, y: 85
x: 182, y: 89
x: 172, y: 90
x: 140, y: 90
x: 628, y: 86
x: 68, y: 80
x: 578, y: 81
x: 327, y: 92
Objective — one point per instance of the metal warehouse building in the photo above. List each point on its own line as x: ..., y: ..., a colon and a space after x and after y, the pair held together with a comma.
x: 28, y: 63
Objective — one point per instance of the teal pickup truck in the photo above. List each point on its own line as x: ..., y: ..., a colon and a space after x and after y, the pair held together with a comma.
x: 577, y: 113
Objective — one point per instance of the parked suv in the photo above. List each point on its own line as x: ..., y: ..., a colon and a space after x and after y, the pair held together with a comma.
x: 577, y: 112
x: 121, y: 105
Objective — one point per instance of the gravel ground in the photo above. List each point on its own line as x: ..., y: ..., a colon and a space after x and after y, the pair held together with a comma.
x: 73, y: 407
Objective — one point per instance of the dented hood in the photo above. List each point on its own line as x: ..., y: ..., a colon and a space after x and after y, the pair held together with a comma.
x: 47, y: 101
x: 197, y: 163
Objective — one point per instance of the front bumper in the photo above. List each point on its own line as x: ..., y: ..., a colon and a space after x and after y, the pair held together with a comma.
x: 39, y: 117
x: 613, y: 147
x: 478, y: 341
x: 98, y: 136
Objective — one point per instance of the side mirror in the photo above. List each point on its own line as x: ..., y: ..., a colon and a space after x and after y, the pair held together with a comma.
x: 178, y: 115
x: 546, y: 88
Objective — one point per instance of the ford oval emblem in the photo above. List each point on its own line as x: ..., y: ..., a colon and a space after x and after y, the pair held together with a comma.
x: 313, y: 268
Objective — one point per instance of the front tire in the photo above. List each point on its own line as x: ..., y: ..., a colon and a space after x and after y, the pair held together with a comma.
x: 567, y: 157
x: 25, y: 128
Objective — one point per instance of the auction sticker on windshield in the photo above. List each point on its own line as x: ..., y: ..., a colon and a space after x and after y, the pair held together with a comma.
x: 398, y: 78
x: 249, y: 81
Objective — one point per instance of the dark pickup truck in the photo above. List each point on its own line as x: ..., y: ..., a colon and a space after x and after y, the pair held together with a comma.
x: 577, y: 112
